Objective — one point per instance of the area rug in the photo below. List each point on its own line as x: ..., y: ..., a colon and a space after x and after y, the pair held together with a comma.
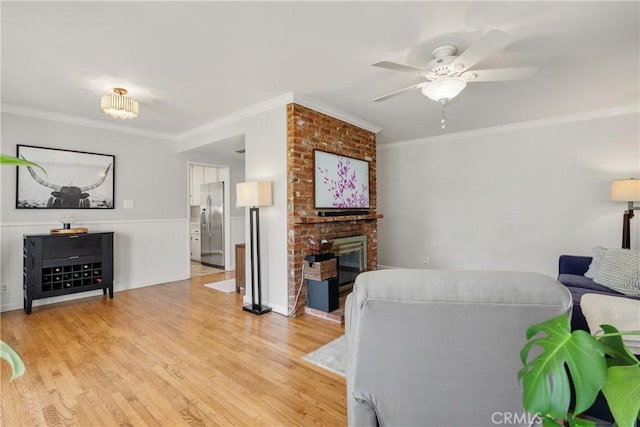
x: 227, y: 286
x: 331, y: 356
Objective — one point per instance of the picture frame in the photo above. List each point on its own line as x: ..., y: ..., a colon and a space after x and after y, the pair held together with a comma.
x: 70, y: 180
x: 340, y: 182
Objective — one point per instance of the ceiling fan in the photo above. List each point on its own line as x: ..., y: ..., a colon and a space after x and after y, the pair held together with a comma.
x: 447, y: 74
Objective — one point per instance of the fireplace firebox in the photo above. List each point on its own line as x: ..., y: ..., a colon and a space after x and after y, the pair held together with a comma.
x: 351, y: 255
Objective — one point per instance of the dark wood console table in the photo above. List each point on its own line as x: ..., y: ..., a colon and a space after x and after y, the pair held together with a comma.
x: 65, y: 264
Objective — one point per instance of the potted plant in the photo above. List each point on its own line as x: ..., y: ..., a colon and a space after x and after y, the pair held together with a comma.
x: 593, y: 363
x: 6, y: 352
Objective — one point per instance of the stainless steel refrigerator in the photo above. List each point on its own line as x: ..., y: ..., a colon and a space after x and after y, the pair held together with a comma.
x: 212, y: 224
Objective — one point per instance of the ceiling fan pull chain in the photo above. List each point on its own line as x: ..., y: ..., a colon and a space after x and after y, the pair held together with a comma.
x: 442, y: 121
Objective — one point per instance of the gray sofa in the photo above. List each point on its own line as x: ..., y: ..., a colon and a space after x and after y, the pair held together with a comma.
x: 441, y: 348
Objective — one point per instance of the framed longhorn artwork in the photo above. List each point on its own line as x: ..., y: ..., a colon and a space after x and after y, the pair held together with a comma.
x: 70, y: 179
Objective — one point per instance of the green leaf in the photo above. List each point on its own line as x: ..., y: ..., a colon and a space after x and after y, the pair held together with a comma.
x: 550, y: 422
x: 9, y: 354
x: 546, y: 387
x: 8, y: 160
x: 622, y: 391
x: 580, y: 422
x: 615, y: 348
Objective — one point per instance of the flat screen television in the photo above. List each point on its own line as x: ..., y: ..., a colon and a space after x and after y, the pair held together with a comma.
x: 340, y: 182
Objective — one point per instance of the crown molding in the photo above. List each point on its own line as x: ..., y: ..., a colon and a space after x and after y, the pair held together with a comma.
x: 279, y: 101
x: 261, y: 107
x: 74, y: 120
x: 258, y: 108
x: 288, y: 98
x: 335, y: 113
x: 552, y: 121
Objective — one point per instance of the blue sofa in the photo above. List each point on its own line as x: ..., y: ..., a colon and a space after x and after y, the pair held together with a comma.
x: 571, y: 271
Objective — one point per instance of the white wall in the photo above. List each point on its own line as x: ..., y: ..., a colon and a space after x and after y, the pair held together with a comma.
x: 146, y: 252
x: 512, y: 200
x: 151, y: 240
x: 147, y: 170
x: 265, y: 135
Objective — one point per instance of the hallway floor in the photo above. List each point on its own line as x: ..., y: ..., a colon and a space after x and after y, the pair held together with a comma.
x: 198, y: 269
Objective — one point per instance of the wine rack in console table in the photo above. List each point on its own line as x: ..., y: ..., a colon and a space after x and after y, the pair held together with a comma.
x: 65, y: 264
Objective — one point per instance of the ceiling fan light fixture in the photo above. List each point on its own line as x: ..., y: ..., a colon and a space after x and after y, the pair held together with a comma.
x: 118, y: 105
x: 444, y: 89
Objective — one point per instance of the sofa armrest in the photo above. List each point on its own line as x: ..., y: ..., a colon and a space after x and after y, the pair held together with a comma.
x: 359, y: 411
x: 573, y: 264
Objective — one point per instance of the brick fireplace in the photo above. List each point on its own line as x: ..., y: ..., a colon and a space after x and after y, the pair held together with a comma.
x: 308, y: 130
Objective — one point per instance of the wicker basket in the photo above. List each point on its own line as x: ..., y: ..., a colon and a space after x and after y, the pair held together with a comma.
x: 317, y: 248
x: 321, y: 270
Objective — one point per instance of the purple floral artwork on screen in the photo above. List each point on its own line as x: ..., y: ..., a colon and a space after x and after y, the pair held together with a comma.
x: 341, y: 182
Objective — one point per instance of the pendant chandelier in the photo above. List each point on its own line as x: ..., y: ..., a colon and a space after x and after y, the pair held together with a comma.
x: 118, y: 105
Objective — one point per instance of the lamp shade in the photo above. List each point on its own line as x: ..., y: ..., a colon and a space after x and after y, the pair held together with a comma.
x: 253, y: 194
x: 625, y: 190
x: 444, y: 89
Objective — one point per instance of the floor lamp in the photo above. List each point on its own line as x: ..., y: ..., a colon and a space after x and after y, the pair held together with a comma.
x: 626, y: 190
x: 252, y: 195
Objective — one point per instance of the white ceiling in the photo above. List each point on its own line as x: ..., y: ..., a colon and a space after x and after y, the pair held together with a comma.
x: 189, y: 63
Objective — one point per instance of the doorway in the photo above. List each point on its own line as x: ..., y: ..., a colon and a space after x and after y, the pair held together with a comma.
x: 209, y: 220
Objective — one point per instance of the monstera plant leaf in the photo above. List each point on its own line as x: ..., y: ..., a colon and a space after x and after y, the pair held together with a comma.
x: 9, y: 354
x: 622, y: 391
x: 545, y: 379
x: 619, y: 354
x: 573, y: 422
x: 622, y: 388
x: 8, y: 160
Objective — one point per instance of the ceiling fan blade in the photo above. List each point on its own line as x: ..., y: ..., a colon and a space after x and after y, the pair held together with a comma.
x: 400, y: 92
x: 499, y: 74
x: 398, y: 67
x: 491, y: 42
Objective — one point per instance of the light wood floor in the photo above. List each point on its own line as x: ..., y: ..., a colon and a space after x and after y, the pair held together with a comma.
x: 172, y: 354
x: 198, y: 269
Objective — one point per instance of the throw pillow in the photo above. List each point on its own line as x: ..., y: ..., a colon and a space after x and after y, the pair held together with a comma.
x: 620, y: 270
x: 598, y: 254
x: 620, y: 312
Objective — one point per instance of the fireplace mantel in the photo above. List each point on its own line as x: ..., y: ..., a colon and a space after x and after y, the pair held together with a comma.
x: 323, y: 219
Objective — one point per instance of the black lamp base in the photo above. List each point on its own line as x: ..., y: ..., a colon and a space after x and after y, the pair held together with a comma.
x: 626, y: 228
x: 256, y: 308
